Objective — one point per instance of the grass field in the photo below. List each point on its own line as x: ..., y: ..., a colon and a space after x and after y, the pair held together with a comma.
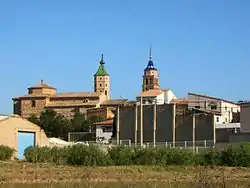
x: 24, y: 175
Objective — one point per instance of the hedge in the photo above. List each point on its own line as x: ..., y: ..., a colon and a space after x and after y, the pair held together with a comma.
x: 6, y: 153
x: 82, y: 155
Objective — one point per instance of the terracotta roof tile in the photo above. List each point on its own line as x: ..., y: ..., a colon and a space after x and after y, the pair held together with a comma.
x: 41, y: 85
x: 114, y: 102
x: 70, y: 104
x: 105, y: 122
x: 179, y: 101
x: 151, y: 93
x: 75, y: 94
x: 31, y: 96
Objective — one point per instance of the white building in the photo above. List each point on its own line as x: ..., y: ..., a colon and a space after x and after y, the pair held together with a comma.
x: 225, y: 108
x: 104, y: 130
x: 158, y: 96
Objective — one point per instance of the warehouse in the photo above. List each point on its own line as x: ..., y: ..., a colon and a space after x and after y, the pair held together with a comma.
x: 19, y: 133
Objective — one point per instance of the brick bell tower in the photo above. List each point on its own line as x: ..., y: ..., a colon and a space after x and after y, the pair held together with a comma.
x: 150, y: 77
x: 102, y: 80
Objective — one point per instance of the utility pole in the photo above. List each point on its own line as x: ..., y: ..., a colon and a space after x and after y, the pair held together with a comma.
x: 118, y: 126
x: 155, y: 114
x: 173, y: 122
x: 194, y: 130
x: 141, y: 137
x: 136, y: 124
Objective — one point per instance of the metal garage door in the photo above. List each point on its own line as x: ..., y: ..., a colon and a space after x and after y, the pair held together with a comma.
x: 25, y: 139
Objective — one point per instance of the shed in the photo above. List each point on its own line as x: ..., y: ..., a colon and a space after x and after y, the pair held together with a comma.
x: 19, y: 133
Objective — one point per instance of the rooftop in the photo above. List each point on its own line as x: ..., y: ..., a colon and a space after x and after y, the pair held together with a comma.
x: 75, y: 95
x: 101, y: 70
x: 152, y: 93
x: 114, y: 102
x: 212, y: 98
x: 105, y: 122
x: 72, y: 104
x: 41, y: 85
x: 179, y: 101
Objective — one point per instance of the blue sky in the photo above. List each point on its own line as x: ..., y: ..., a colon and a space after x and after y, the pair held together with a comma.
x: 198, y: 46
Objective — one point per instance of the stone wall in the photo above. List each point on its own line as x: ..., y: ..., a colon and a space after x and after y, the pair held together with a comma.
x: 27, y: 109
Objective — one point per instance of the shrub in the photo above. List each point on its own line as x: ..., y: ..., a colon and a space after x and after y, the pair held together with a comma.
x: 238, y: 155
x: 122, y: 155
x: 87, y: 155
x: 209, y: 157
x: 6, y: 153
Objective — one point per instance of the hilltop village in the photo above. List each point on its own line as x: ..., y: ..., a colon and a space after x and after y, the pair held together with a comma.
x: 215, y: 117
x: 44, y: 96
x: 156, y: 115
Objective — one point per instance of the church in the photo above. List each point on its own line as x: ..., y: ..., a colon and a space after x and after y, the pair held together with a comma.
x: 151, y: 91
x: 44, y: 96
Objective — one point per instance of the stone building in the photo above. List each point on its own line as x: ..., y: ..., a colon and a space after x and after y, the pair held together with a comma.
x: 43, y: 96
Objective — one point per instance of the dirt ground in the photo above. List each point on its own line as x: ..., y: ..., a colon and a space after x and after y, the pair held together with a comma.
x: 24, y: 175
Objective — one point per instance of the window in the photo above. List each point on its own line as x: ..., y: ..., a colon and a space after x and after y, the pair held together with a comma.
x: 213, y: 107
x: 146, y: 81
x: 106, y: 92
x: 100, y: 85
x: 33, y: 103
x: 232, y: 109
x: 100, y: 90
x: 197, y: 107
x: 225, y: 120
x: 101, y: 78
x: 217, y: 119
x: 225, y: 107
x: 151, y: 81
x: 106, y: 85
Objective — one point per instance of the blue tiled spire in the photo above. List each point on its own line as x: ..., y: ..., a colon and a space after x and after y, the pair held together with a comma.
x: 150, y: 65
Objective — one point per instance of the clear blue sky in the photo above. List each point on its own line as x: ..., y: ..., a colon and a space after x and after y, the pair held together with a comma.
x: 198, y: 46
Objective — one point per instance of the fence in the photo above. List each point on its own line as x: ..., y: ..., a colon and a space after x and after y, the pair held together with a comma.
x: 196, y: 146
x: 81, y: 136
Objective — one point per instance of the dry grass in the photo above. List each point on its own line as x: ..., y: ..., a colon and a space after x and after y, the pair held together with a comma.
x: 24, y: 175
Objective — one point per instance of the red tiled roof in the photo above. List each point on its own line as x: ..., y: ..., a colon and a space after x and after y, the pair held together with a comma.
x: 105, y: 122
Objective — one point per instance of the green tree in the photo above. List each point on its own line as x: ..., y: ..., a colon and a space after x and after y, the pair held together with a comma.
x: 79, y: 123
x: 34, y: 119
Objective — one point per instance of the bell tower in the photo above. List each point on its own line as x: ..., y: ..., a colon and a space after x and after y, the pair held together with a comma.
x: 150, y: 77
x: 102, y: 80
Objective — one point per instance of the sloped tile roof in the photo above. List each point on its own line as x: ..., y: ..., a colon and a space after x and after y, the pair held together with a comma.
x: 71, y: 104
x: 114, y: 102
x: 75, y: 94
x: 105, y: 122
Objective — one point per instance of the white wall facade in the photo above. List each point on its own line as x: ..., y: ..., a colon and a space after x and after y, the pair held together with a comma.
x: 103, y: 132
x: 227, y: 110
x: 163, y: 98
x: 220, y: 106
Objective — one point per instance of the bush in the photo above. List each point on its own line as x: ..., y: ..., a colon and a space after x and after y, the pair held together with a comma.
x: 46, y: 155
x: 150, y: 156
x: 87, y: 156
x: 6, y: 153
x: 238, y: 155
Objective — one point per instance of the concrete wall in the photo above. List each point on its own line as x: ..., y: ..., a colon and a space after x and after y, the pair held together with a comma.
x: 164, y: 125
x: 245, y: 117
x: 9, y: 132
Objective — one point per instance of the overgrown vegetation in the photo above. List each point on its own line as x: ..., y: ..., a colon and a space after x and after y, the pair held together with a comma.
x: 238, y: 155
x: 6, y: 153
x: 56, y: 125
